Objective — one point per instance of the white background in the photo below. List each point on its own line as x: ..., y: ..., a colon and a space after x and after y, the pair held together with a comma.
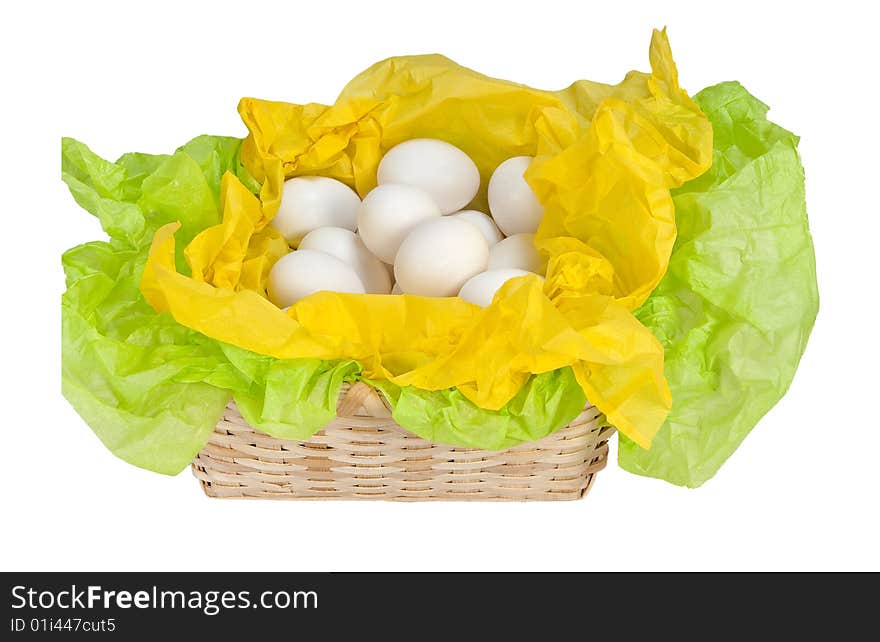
x: 801, y: 493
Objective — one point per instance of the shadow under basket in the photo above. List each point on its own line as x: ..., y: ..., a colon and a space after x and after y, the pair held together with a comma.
x: 365, y: 454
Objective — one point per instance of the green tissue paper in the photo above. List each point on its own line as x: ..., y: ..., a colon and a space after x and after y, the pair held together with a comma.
x: 737, y: 304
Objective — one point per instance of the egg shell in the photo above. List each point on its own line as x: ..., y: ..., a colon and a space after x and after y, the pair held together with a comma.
x: 304, y: 272
x: 483, y: 222
x: 517, y: 251
x: 348, y: 247
x: 440, y: 169
x: 439, y: 256
x: 387, y: 215
x: 481, y: 289
x: 310, y: 202
x: 513, y: 204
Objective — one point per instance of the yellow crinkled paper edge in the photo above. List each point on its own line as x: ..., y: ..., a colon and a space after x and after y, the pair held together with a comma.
x: 605, y: 160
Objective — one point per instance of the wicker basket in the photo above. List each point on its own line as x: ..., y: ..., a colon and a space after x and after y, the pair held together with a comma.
x: 364, y: 454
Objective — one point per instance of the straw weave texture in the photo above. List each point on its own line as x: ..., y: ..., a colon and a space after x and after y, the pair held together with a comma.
x: 364, y: 454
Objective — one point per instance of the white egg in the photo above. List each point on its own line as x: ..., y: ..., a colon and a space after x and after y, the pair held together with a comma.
x: 440, y: 169
x: 396, y: 289
x: 347, y: 246
x: 310, y: 202
x: 438, y: 256
x: 483, y: 222
x: 512, y: 202
x: 304, y: 272
x: 387, y: 215
x: 481, y: 289
x: 517, y: 251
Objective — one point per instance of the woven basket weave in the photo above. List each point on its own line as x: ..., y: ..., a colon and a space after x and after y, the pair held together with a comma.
x: 364, y: 454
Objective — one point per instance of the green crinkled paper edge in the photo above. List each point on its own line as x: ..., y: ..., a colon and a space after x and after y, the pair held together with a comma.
x: 547, y: 402
x: 738, y: 302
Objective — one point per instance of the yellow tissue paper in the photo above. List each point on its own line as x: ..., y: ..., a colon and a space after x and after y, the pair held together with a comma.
x: 605, y: 160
